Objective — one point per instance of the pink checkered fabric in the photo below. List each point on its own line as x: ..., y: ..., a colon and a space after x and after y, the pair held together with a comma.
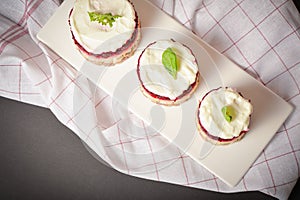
x: 262, y: 37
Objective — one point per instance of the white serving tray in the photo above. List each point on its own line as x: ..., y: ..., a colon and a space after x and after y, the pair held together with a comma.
x: 178, y: 124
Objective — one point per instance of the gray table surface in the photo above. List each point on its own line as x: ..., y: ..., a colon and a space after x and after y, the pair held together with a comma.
x: 42, y: 159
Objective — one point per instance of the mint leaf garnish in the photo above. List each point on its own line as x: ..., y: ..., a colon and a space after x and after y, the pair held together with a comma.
x: 103, y: 19
x: 228, y: 113
x: 169, y: 60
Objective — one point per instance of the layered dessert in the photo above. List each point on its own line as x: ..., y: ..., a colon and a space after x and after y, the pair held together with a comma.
x: 223, y: 116
x: 105, y: 32
x: 168, y: 72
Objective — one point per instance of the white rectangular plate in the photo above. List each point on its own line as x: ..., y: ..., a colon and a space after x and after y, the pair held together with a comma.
x: 229, y: 162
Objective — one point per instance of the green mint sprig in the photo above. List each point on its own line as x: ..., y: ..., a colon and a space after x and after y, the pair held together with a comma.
x: 169, y: 60
x: 103, y: 19
x: 228, y: 113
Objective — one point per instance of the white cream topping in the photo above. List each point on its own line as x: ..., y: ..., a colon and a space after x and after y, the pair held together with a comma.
x: 94, y: 36
x: 156, y: 78
x: 213, y: 120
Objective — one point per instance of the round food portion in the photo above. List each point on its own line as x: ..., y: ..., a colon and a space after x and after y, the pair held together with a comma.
x: 158, y: 82
x: 105, y: 32
x: 223, y: 116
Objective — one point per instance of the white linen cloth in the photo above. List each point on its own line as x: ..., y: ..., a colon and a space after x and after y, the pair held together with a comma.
x: 262, y: 37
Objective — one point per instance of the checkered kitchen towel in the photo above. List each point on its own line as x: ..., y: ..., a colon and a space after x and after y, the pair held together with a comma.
x: 262, y: 37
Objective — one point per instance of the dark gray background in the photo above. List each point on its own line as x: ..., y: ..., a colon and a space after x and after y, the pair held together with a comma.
x: 42, y: 159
